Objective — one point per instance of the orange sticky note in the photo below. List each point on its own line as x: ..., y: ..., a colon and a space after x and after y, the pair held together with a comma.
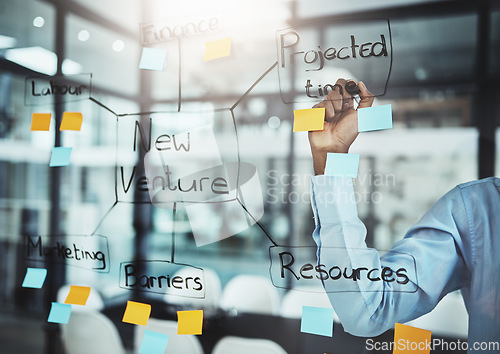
x: 137, y: 313
x: 409, y: 339
x: 189, y: 322
x: 77, y: 295
x: 71, y: 121
x: 40, y: 121
x: 308, y: 119
x: 217, y: 49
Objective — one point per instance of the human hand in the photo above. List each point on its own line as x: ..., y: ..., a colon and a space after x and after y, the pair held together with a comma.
x: 341, y: 123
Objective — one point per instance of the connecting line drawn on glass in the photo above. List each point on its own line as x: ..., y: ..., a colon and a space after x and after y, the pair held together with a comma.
x: 258, y: 224
x: 254, y: 84
x: 179, y: 103
x: 163, y: 277
x: 103, y: 218
x: 173, y: 233
x: 174, y: 211
x: 103, y: 106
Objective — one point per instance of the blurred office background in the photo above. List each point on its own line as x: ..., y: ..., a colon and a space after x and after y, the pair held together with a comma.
x: 443, y: 90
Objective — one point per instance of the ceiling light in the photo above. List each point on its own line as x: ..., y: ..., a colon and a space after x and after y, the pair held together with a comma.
x: 83, y: 35
x: 7, y: 42
x: 70, y: 67
x: 34, y: 58
x: 38, y: 21
x: 118, y: 45
x: 257, y: 107
x: 421, y: 74
x: 274, y: 122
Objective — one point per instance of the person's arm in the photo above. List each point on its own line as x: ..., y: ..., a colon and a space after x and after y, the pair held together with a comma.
x: 340, y: 235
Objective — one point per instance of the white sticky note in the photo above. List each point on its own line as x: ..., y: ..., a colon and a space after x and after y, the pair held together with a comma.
x: 153, y: 59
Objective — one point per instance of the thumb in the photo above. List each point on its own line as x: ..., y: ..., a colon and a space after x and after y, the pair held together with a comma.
x: 365, y: 95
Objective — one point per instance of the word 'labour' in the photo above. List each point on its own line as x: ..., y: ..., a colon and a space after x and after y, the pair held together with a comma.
x: 55, y: 89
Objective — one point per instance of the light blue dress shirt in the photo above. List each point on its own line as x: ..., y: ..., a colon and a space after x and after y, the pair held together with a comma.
x: 456, y: 245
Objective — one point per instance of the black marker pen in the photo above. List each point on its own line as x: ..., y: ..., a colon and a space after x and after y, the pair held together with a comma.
x: 352, y: 88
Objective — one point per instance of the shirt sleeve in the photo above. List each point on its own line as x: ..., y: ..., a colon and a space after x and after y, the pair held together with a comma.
x: 430, y: 249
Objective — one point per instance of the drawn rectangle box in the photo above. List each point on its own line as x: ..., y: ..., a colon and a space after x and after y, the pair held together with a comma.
x: 92, y: 251
x: 348, y: 47
x: 41, y: 91
x: 286, y: 267
x: 163, y: 272
x: 150, y: 133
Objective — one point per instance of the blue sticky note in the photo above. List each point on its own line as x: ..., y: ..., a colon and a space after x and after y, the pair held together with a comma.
x: 153, y: 343
x: 375, y: 118
x: 153, y: 59
x: 60, y: 157
x: 59, y: 313
x: 317, y: 320
x: 34, y: 278
x: 345, y: 165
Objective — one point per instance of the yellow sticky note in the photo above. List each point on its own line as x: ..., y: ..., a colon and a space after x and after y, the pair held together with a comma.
x: 409, y: 339
x: 189, y: 322
x: 77, y: 295
x: 71, y: 121
x: 40, y: 121
x: 217, y: 49
x: 308, y: 119
x: 137, y: 313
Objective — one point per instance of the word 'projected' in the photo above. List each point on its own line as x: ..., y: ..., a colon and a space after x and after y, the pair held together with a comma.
x: 347, y: 48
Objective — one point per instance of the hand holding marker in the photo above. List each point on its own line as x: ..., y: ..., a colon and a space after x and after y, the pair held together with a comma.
x: 341, y: 122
